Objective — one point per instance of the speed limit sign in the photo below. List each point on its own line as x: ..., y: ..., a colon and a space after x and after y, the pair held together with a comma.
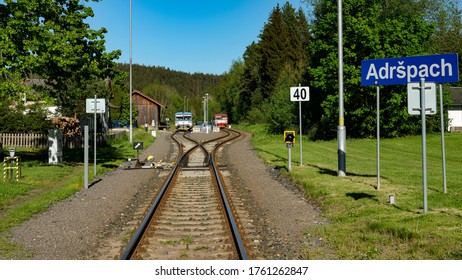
x: 299, y: 94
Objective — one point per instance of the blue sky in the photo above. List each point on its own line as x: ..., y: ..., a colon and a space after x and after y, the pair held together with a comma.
x: 185, y: 35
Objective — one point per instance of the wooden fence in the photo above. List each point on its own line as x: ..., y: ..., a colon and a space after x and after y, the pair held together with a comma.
x: 22, y: 140
x: 31, y: 140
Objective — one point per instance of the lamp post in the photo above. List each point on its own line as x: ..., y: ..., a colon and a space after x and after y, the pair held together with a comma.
x: 131, y: 76
x: 203, y: 108
x: 341, y: 132
x: 206, y: 113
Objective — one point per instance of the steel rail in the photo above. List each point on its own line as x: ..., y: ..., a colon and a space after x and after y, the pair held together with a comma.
x: 131, y: 247
x: 236, y: 235
x: 235, y: 231
x: 228, y: 211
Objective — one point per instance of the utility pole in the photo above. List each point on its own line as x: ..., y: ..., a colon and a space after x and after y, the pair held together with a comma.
x: 341, y: 132
x: 131, y: 76
x: 206, y: 113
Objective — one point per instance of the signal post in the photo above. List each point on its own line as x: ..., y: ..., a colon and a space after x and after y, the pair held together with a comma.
x: 289, y: 139
x: 300, y: 94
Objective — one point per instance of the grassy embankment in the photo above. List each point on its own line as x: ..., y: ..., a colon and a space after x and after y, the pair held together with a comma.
x: 362, y: 224
x: 42, y: 185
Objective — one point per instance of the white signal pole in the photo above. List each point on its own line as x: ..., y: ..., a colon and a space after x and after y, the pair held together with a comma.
x: 341, y: 132
x: 203, y: 107
x: 131, y: 76
x: 206, y: 112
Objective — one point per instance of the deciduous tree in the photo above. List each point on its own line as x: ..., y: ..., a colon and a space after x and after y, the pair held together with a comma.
x: 371, y: 29
x: 50, y: 39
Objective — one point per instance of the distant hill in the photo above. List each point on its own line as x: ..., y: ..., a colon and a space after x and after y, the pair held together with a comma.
x: 185, y: 83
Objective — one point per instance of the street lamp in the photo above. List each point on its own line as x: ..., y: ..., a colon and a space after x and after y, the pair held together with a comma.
x: 131, y: 76
x: 206, y: 113
x: 203, y: 108
x: 341, y: 132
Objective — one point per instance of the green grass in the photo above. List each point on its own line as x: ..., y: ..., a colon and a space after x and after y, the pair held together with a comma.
x: 362, y: 224
x: 170, y: 242
x: 42, y: 185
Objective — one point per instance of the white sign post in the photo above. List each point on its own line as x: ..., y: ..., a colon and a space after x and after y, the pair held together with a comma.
x: 95, y: 106
x: 413, y: 98
x: 85, y: 157
x: 300, y: 94
x: 422, y: 99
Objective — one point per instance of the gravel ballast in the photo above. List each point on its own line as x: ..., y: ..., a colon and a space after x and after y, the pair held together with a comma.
x: 94, y: 223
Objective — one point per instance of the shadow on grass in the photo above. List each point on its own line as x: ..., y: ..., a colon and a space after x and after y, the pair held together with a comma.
x: 331, y: 172
x: 322, y: 170
x: 362, y: 195
x: 278, y: 157
x: 39, y: 155
x: 105, y: 155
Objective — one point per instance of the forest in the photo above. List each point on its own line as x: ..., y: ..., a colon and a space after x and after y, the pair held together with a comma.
x: 292, y: 50
x: 294, y: 47
x: 177, y: 90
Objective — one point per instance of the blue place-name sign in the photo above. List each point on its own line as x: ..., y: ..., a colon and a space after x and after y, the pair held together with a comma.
x: 441, y: 68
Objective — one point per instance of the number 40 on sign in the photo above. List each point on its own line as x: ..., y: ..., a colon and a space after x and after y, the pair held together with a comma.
x: 299, y: 94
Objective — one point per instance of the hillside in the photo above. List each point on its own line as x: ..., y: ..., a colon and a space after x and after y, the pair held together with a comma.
x: 191, y: 85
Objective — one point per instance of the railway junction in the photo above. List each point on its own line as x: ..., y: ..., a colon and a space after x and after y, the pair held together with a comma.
x: 100, y: 222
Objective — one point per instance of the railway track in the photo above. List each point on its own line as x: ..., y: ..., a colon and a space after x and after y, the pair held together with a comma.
x: 191, y: 217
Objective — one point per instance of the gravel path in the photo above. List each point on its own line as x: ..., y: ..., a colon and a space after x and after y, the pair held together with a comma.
x: 280, y: 211
x: 93, y: 223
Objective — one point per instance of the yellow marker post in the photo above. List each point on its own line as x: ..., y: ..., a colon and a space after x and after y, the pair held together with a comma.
x: 289, y: 139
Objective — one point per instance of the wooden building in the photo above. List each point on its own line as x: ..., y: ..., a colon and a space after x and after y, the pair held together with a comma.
x: 149, y: 110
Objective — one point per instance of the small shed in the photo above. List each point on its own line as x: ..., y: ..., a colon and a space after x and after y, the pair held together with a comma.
x: 455, y: 110
x: 149, y: 110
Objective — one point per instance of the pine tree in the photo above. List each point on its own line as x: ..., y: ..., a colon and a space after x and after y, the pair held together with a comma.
x: 283, y: 45
x: 273, y: 47
x: 251, y: 79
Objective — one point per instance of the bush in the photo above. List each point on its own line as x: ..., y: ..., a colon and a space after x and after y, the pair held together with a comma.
x: 22, y: 120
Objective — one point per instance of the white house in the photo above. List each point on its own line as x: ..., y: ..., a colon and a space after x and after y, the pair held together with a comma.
x: 455, y: 111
